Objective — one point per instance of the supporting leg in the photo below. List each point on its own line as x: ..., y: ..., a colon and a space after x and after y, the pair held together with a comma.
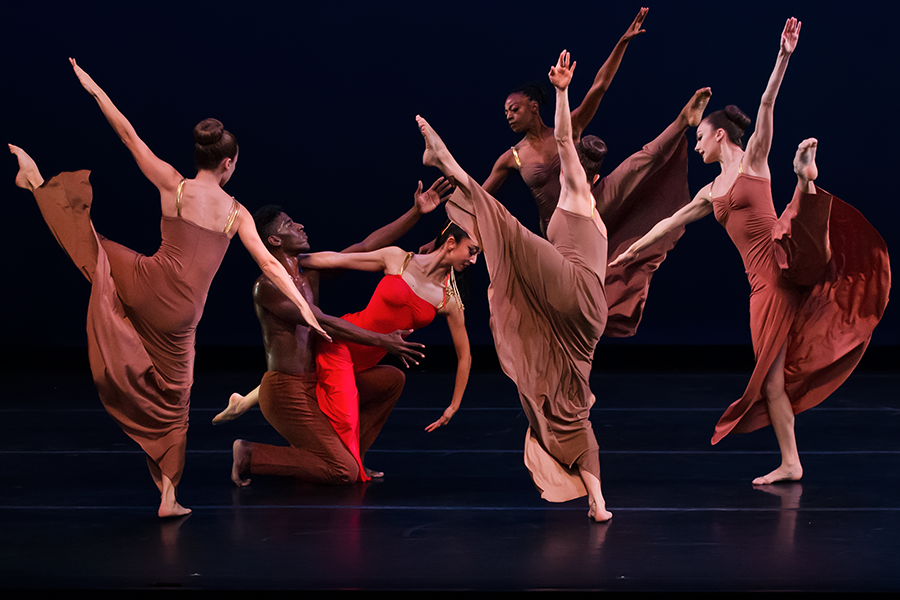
x: 782, y: 417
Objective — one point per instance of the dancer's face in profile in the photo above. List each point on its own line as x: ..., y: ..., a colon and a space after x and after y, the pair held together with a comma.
x: 462, y: 254
x: 292, y: 235
x: 707, y: 145
x: 520, y: 111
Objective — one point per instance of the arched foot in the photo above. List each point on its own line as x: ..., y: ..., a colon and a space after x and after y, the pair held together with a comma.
x: 237, y: 405
x: 28, y: 177
x: 805, y: 163
x: 692, y: 113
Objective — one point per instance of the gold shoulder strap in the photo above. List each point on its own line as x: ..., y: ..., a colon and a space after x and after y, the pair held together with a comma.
x: 409, y: 256
x: 235, y: 209
x: 516, y: 156
x: 178, y: 194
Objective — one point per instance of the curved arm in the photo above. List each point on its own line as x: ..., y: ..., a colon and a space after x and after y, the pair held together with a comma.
x: 757, y: 154
x: 582, y: 115
x: 274, y: 270
x: 499, y: 172
x: 389, y: 260
x: 457, y: 322
x: 698, y: 208
x: 159, y: 172
x: 423, y: 203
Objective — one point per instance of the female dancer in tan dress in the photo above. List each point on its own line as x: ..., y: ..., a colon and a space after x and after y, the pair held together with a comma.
x: 143, y: 311
x: 548, y: 303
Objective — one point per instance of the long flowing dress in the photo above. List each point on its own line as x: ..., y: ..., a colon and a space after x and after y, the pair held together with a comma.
x: 819, y: 281
x: 548, y: 311
x: 393, y: 306
x: 647, y: 187
x: 142, y: 317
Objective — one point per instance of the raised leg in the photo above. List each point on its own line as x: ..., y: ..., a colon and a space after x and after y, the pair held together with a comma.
x: 782, y: 417
x: 805, y: 165
x: 437, y: 155
x: 237, y: 405
x: 28, y: 177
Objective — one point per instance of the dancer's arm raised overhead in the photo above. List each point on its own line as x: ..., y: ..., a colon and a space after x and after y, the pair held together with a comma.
x: 582, y: 115
x: 167, y: 179
x: 756, y: 157
x: 159, y: 172
x: 575, y: 195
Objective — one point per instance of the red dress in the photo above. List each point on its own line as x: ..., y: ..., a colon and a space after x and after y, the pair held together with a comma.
x: 393, y: 306
x: 824, y: 309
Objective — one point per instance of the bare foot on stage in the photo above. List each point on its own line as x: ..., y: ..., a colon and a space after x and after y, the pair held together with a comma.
x: 782, y: 473
x: 28, y: 177
x: 237, y: 405
x: 372, y: 474
x: 437, y: 155
x: 168, y: 504
x: 692, y: 113
x: 599, y: 514
x: 805, y: 164
x: 241, y: 452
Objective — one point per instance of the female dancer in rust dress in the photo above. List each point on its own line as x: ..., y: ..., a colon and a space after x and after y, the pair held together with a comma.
x: 819, y: 274
x: 144, y: 311
x: 548, y: 304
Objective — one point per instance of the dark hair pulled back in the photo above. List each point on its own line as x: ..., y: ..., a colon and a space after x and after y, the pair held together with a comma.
x: 733, y: 121
x: 213, y: 144
x: 533, y: 90
x: 591, y: 152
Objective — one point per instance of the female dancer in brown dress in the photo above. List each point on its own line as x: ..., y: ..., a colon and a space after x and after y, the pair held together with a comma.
x: 144, y: 311
x: 819, y: 274
x: 548, y: 303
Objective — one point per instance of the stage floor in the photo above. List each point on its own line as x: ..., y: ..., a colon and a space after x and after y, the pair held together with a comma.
x: 457, y: 509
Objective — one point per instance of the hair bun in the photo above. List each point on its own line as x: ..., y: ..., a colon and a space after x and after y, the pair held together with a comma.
x: 737, y: 116
x: 208, y: 131
x: 593, y: 147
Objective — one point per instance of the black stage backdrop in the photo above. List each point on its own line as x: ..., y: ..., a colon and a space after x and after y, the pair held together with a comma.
x: 322, y: 100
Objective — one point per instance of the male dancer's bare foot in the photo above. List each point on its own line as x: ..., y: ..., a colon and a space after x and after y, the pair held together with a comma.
x: 598, y: 513
x: 28, y: 177
x: 692, y: 113
x: 372, y: 473
x: 782, y: 473
x: 237, y: 405
x: 168, y: 504
x: 240, y: 451
x: 437, y: 155
x: 805, y: 164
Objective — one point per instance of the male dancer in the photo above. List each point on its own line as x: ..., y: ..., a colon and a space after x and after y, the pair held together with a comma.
x: 287, y: 395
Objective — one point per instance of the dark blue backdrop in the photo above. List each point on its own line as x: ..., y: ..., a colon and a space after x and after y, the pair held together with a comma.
x: 322, y: 101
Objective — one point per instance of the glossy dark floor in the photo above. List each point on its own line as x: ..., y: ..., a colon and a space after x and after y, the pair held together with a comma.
x: 457, y: 509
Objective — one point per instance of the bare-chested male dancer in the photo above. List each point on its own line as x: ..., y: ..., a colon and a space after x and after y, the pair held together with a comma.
x: 287, y: 395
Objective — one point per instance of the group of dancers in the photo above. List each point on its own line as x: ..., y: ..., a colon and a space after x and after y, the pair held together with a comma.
x: 819, y: 277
